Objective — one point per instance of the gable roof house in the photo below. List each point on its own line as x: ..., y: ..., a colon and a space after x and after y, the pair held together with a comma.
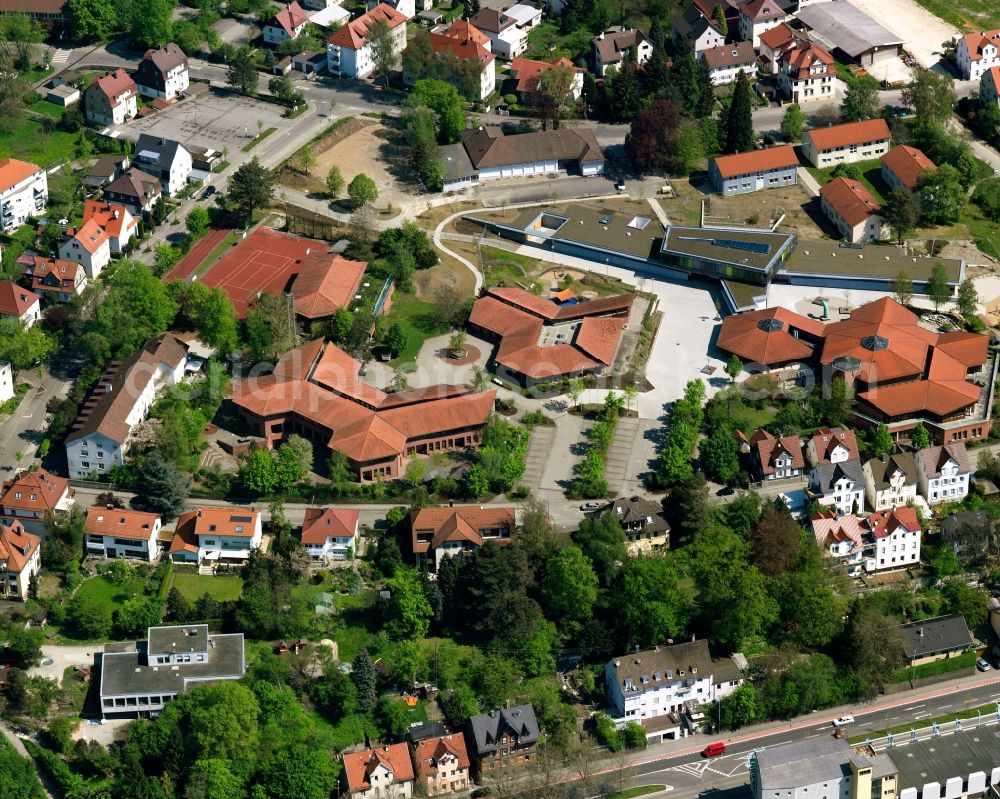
x: 89, y: 246
x: 610, y: 48
x: 121, y: 533
x: 106, y: 169
x: 163, y: 74
x: 528, y: 74
x: 508, y: 38
x: 742, y: 173
x: 643, y: 523
x: 19, y: 303
x: 976, y: 53
x: 463, y: 30
x: 839, y: 485
x: 166, y: 159
x: 890, y: 481
x: 943, y: 473
x: 136, y: 190
x: 217, y: 535
x: 758, y: 16
x: 503, y: 739
x: 853, y: 210
x: 694, y: 30
x: 466, y: 51
x: 727, y: 61
x: 903, y: 165
x: 892, y: 539
x: 839, y: 536
x: 330, y: 533
x: 349, y: 54
x: 806, y: 71
x: 121, y: 399
x: 847, y: 143
x: 111, y: 100
x: 20, y: 559
x: 989, y: 86
x: 287, y: 24
x: 53, y: 277
x: 437, y: 533
x: 940, y: 638
x: 775, y: 458
x: 115, y: 220
x: 24, y: 191
x: 442, y: 764
x: 382, y: 773
x: 778, y: 41
x: 29, y: 497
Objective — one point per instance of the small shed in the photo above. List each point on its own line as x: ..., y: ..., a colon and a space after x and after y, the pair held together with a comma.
x: 58, y: 92
x: 282, y: 67
x: 310, y: 62
x: 430, y: 18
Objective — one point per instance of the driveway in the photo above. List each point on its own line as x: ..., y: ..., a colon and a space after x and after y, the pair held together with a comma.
x: 63, y: 657
x: 553, y: 454
x: 921, y: 32
x: 25, y: 429
x: 630, y: 455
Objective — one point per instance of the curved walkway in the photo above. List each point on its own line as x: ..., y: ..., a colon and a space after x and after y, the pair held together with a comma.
x: 464, y: 261
x: 18, y: 745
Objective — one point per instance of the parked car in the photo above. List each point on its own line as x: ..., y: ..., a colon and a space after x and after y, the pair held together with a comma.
x: 590, y: 506
x: 843, y: 721
x: 620, y: 184
x: 725, y: 491
x: 983, y: 664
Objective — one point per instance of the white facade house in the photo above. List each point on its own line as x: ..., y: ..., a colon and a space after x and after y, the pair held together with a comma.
x: 382, y: 773
x: 165, y: 159
x: 658, y: 681
x: 349, y: 54
x: 508, y: 37
x: 725, y: 63
x: 853, y: 210
x: 211, y: 536
x: 943, y: 473
x: 847, y: 143
x: 758, y: 16
x: 989, y: 86
x: 24, y: 191
x: 31, y: 497
x: 6, y: 381
x: 121, y: 533
x: 807, y: 73
x: 122, y: 398
x: 287, y: 24
x: 90, y: 247
x: 20, y: 558
x: 111, y: 100
x: 330, y: 533
x: 163, y: 74
x: 19, y: 303
x: 977, y: 52
x: 839, y: 537
x: 892, y: 540
x: 610, y: 48
x: 774, y: 458
x: 891, y: 481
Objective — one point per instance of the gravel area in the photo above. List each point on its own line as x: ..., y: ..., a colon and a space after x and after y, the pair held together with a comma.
x: 921, y: 32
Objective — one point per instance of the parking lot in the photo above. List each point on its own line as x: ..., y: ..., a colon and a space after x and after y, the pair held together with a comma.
x: 214, y: 118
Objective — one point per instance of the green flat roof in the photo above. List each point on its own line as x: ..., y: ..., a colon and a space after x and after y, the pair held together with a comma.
x: 878, y: 261
x: 755, y: 249
x: 636, y: 234
x: 744, y: 293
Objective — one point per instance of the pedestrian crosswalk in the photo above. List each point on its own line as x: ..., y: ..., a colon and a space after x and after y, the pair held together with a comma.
x: 61, y: 56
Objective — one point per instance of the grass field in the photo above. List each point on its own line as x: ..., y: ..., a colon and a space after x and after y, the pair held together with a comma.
x: 871, y: 177
x: 971, y: 15
x: 26, y: 141
x: 109, y: 594
x: 48, y: 109
x: 223, y: 587
x: 418, y: 320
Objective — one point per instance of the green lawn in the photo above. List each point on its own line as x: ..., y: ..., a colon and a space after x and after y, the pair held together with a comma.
x: 26, y: 141
x: 871, y: 177
x: 966, y: 15
x: 418, y: 320
x: 545, y: 42
x: 222, y: 587
x: 109, y: 594
x: 48, y: 109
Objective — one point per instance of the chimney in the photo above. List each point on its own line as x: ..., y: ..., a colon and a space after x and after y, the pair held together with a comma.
x: 115, y: 213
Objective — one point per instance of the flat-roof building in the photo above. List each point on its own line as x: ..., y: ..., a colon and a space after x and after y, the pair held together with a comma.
x: 845, y: 27
x: 822, y: 768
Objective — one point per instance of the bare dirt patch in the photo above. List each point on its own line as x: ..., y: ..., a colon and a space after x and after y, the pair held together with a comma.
x: 472, y: 354
x: 448, y: 272
x: 295, y: 176
x: 760, y: 208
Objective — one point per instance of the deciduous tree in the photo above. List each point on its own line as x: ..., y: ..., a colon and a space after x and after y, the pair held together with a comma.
x: 942, y: 195
x: 362, y: 190
x: 900, y: 212
x: 937, y: 286
x: 250, y: 188
x: 968, y: 298
x: 242, y: 74
x: 380, y: 39
x: 860, y: 100
x: 902, y: 288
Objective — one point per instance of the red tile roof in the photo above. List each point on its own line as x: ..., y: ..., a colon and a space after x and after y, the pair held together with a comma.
x: 322, y: 523
x: 975, y: 42
x: 802, y: 59
x: 851, y: 201
x: 907, y: 164
x: 17, y: 547
x: 14, y: 300
x: 887, y: 522
x: 116, y: 84
x: 358, y: 766
x: 428, y: 753
x: 113, y: 218
x: 38, y: 490
x: 462, y: 49
x: 289, y: 18
x: 837, y: 136
x: 779, y: 37
x: 91, y: 235
x: 461, y: 523
x: 781, y: 157
x: 38, y: 269
x: 463, y: 29
x: 233, y: 522
x: 13, y: 172
x: 768, y: 336
x: 827, y: 527
x: 529, y: 71
x: 325, y: 284
x: 770, y: 448
x: 352, y: 35
x: 598, y: 336
x: 825, y: 441
x: 121, y: 523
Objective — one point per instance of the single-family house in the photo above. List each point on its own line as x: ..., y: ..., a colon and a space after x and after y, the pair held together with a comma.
x: 610, y: 47
x: 943, y: 473
x: 136, y: 190
x: 839, y: 536
x: 503, y: 739
x: 106, y: 169
x: 382, y: 773
x: 467, y: 51
x: 777, y: 41
x: 20, y: 559
x: 115, y: 220
x: 140, y: 679
x: 101, y: 435
x: 839, y: 485
x: 437, y: 533
x: 53, y: 277
x: 775, y: 458
x: 121, y: 533
x: 853, y: 210
x: 642, y: 520
x: 847, y: 143
x: 975, y: 53
x: 463, y: 30
x: 989, y: 86
x: 758, y: 16
x: 287, y: 24
x: 694, y: 30
x: 165, y: 159
x: 528, y: 74
x: 163, y: 74
x: 19, y: 303
x: 442, y: 765
x: 111, y: 100
x: 662, y: 680
x: 892, y: 539
x: 349, y: 54
x: 330, y: 533
x: 30, y: 497
x: 742, y: 173
x: 90, y: 246
x: 507, y: 38
x: 726, y: 62
x: 216, y: 536
x: 940, y: 638
x: 24, y: 191
x: 903, y: 165
x: 525, y: 16
x: 807, y: 73
x: 890, y: 481
x: 973, y: 536
x: 6, y: 381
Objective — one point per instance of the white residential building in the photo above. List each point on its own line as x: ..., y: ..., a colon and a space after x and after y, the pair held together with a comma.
x: 807, y: 73
x: 24, y: 191
x: 989, y: 86
x: 943, y: 473
x: 758, y: 16
x: 658, y: 681
x: 610, y: 48
x: 20, y: 558
x: 891, y: 481
x: 847, y: 143
x: 330, y: 533
x: 111, y: 100
x: 163, y: 74
x: 839, y: 537
x: 977, y: 52
x: 90, y: 247
x: 121, y: 533
x: 100, y: 437
x: 725, y: 63
x: 31, y: 497
x: 6, y: 381
x: 19, y: 303
x: 287, y: 24
x: 349, y: 54
x: 382, y: 773
x: 165, y: 159
x: 508, y: 39
x: 892, y: 539
x: 212, y: 536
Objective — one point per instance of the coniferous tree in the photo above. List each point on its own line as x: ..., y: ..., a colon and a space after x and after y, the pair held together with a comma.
x: 706, y: 91
x: 363, y: 675
x: 685, y: 79
x: 740, y: 137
